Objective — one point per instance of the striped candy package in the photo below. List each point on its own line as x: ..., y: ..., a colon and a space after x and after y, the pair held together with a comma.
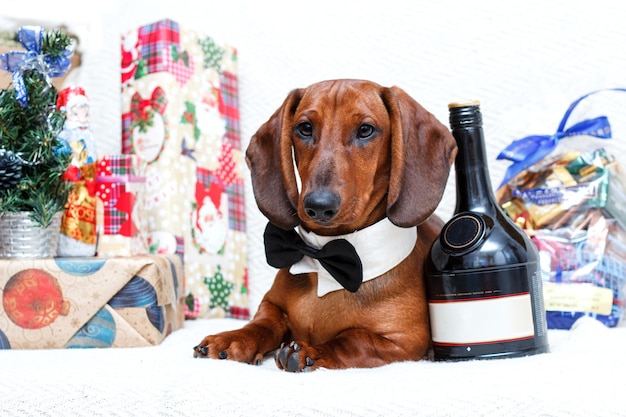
x: 180, y: 116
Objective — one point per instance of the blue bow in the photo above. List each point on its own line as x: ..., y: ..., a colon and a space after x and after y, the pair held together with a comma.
x: 528, y: 151
x: 16, y: 62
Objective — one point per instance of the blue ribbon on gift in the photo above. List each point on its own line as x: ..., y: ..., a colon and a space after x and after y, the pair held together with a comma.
x: 527, y: 151
x: 16, y: 62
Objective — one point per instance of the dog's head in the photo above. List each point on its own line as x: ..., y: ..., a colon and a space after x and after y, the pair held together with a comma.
x: 361, y: 152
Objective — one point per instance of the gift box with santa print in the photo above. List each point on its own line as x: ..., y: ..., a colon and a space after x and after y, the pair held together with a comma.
x: 180, y: 116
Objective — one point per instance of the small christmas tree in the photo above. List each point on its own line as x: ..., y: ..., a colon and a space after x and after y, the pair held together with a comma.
x: 32, y: 158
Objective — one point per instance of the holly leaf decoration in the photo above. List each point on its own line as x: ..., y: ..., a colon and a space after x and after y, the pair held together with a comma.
x: 189, y: 301
x: 176, y: 56
x: 189, y: 117
x: 141, y: 69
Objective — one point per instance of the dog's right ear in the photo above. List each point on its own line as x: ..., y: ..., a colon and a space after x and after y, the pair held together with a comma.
x: 270, y: 159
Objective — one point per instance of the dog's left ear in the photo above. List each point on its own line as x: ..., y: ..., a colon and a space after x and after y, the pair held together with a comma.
x: 422, y: 152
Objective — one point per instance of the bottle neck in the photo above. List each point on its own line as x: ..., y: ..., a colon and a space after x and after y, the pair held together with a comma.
x: 473, y: 184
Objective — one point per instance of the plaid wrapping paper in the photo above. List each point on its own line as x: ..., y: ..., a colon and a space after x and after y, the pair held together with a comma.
x: 90, y: 302
x: 194, y: 165
x: 118, y: 187
x: 154, y: 39
x: 230, y: 96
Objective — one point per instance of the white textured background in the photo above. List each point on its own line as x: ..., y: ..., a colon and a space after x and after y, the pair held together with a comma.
x: 525, y: 61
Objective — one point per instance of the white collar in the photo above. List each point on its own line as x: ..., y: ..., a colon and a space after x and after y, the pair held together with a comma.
x: 380, y: 246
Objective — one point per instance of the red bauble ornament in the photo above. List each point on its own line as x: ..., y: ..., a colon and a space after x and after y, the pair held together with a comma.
x: 32, y: 299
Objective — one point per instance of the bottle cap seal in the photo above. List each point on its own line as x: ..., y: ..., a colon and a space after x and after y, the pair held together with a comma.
x: 465, y: 103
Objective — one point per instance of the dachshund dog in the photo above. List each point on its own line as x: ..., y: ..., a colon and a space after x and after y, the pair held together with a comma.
x: 372, y: 164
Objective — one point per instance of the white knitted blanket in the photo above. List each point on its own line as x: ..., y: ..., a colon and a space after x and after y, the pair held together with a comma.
x: 583, y: 375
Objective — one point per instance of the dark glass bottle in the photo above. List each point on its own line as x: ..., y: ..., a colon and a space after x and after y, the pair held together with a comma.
x: 483, y: 275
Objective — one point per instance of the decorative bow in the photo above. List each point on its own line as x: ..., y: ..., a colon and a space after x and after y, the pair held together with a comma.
x: 284, y: 248
x: 142, y: 110
x: 125, y: 204
x: 528, y: 151
x: 16, y: 62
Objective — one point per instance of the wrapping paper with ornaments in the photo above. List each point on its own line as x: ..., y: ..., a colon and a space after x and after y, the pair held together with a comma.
x: 180, y: 115
x: 90, y: 302
x: 570, y: 201
x: 119, y: 188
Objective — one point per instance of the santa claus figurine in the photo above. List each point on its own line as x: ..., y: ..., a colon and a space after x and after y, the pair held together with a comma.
x: 78, y: 227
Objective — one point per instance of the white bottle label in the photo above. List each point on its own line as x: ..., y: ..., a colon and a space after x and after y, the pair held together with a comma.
x: 481, y: 321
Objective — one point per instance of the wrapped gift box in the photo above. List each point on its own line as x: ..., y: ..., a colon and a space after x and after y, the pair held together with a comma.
x: 118, y: 188
x: 180, y: 116
x: 90, y: 302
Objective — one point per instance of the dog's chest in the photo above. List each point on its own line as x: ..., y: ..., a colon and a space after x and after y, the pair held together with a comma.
x: 317, y: 319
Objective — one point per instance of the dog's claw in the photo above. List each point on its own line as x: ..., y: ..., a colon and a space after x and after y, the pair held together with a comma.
x: 200, y: 351
x: 309, y: 361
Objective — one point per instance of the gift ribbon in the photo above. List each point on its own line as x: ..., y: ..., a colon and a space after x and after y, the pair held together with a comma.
x: 16, y: 62
x: 124, y: 201
x: 120, y: 179
x: 528, y: 151
x: 125, y: 204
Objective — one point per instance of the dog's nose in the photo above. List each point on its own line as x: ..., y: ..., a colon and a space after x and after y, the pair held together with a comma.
x: 321, y: 205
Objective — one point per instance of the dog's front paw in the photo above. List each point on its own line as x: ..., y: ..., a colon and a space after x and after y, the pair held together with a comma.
x: 297, y: 357
x: 236, y: 345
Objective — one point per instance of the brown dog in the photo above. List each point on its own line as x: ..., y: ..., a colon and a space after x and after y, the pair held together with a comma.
x: 372, y: 165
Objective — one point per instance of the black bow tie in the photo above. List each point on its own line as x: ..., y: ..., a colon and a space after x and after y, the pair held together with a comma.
x: 284, y: 248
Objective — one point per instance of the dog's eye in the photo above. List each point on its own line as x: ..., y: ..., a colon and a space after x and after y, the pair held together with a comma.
x: 365, y: 131
x: 304, y: 130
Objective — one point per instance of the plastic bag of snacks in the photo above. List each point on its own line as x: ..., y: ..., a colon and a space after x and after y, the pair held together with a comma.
x: 573, y: 205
